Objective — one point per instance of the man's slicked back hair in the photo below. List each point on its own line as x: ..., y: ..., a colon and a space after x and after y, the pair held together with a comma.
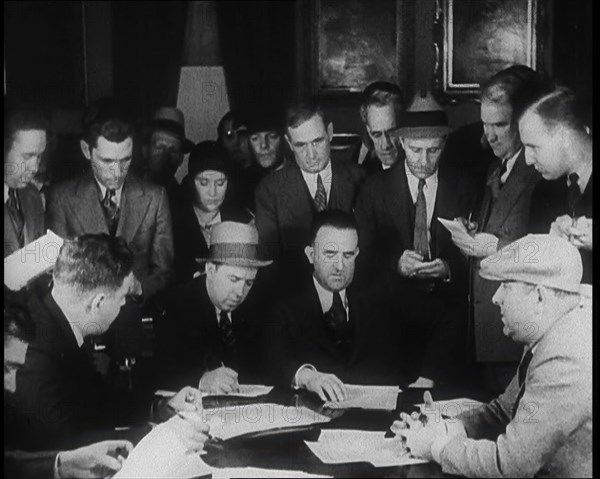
x: 109, y: 119
x: 93, y: 261
x: 22, y: 117
x: 562, y: 107
x: 301, y: 111
x: 337, y: 219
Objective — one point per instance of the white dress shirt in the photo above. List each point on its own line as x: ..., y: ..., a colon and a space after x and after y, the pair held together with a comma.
x: 117, y: 192
x: 429, y: 190
x: 510, y: 163
x: 311, y: 180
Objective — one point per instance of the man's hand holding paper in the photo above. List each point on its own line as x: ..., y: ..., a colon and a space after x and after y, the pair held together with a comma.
x: 222, y: 380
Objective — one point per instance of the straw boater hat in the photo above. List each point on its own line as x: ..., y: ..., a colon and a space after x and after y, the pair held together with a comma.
x: 235, y: 244
x: 537, y: 259
x: 171, y: 120
x: 424, y: 118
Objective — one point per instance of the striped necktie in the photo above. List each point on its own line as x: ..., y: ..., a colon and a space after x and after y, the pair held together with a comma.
x: 320, y: 195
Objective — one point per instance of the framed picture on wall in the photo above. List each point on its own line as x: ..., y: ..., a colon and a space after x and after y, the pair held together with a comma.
x: 357, y: 42
x: 475, y: 39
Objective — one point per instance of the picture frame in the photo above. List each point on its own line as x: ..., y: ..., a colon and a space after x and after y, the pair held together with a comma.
x: 475, y: 39
x: 357, y: 42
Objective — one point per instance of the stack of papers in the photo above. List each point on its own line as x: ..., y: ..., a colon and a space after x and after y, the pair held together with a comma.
x: 451, y: 407
x: 249, y: 390
x: 31, y: 261
x: 231, y: 421
x: 339, y: 446
x: 368, y: 397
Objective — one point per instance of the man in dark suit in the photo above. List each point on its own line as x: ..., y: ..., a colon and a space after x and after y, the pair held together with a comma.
x: 401, y: 239
x: 556, y: 133
x: 95, y: 460
x: 25, y: 138
x: 60, y: 399
x: 287, y: 199
x: 502, y: 216
x: 329, y: 333
x: 210, y: 335
x: 109, y: 199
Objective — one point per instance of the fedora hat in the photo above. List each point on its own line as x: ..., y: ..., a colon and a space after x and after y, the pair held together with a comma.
x: 424, y: 118
x: 171, y: 120
x: 235, y: 244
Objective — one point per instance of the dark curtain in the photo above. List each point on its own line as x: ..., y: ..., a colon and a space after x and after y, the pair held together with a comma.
x: 258, y: 49
x: 148, y: 40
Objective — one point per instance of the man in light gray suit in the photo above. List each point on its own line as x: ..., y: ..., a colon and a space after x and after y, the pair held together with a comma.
x: 542, y: 424
x: 109, y: 199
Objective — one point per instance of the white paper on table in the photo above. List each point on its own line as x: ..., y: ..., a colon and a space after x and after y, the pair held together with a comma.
x: 161, y: 454
x: 452, y: 407
x: 340, y: 446
x: 248, y: 390
x: 31, y: 261
x: 229, y: 472
x: 231, y: 421
x: 367, y: 397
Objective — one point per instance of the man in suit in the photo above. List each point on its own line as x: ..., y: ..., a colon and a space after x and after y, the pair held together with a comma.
x: 25, y: 139
x: 95, y: 460
x: 109, y: 199
x: 381, y: 105
x: 558, y: 143
x: 287, y: 199
x: 329, y: 333
x: 60, y: 399
x: 211, y: 333
x: 402, y: 240
x: 541, y: 426
x: 502, y: 216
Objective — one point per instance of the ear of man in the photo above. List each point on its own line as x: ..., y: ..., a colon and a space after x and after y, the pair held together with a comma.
x: 85, y: 149
x: 330, y: 131
x: 309, y: 251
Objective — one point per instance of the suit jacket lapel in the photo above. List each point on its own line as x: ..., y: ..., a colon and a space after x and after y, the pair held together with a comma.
x: 339, y: 184
x: 30, y: 213
x: 399, y: 202
x: 133, y: 208
x: 86, y: 207
x: 297, y: 195
x: 315, y: 314
x: 514, y: 187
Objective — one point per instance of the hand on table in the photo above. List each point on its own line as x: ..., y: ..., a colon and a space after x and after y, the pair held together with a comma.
x: 101, y: 459
x: 327, y: 386
x: 222, y: 380
x: 191, y: 429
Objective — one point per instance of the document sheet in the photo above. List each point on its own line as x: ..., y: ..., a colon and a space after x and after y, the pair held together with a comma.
x: 368, y: 397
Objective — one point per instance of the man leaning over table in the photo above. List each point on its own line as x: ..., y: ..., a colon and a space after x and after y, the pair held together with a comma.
x: 330, y: 333
x: 542, y: 424
x: 210, y: 331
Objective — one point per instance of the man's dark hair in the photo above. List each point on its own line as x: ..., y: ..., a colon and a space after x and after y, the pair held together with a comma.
x: 518, y: 85
x: 18, y: 323
x: 93, y: 261
x: 299, y: 112
x: 334, y: 218
x: 381, y: 93
x: 22, y: 117
x: 109, y: 119
x: 562, y: 107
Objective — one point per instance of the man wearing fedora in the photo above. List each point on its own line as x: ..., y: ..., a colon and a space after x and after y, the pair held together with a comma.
x: 541, y: 426
x: 210, y: 333
x: 402, y: 240
x: 164, y: 147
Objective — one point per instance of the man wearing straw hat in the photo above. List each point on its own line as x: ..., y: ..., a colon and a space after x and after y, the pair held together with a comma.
x: 401, y: 239
x: 209, y: 335
x: 542, y: 424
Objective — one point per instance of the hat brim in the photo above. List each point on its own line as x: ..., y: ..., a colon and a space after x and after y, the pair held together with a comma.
x: 242, y: 262
x: 187, y: 146
x: 570, y: 288
x: 422, y: 131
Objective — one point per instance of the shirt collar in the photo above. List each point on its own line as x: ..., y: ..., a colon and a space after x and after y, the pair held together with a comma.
x: 117, y: 191
x: 585, y: 173
x: 325, y: 175
x: 5, y: 193
x: 326, y: 296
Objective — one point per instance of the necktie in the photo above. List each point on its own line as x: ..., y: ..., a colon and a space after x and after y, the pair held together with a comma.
x: 522, y: 374
x: 420, y: 241
x: 336, y: 322
x: 503, y: 169
x: 573, y: 194
x: 320, y: 195
x: 226, y: 329
x: 14, y: 207
x: 111, y: 210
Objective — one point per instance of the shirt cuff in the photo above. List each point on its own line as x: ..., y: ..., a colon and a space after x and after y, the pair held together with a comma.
x: 56, y: 464
x: 304, y: 366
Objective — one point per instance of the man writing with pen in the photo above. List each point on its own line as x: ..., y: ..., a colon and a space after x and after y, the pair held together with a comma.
x: 209, y: 336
